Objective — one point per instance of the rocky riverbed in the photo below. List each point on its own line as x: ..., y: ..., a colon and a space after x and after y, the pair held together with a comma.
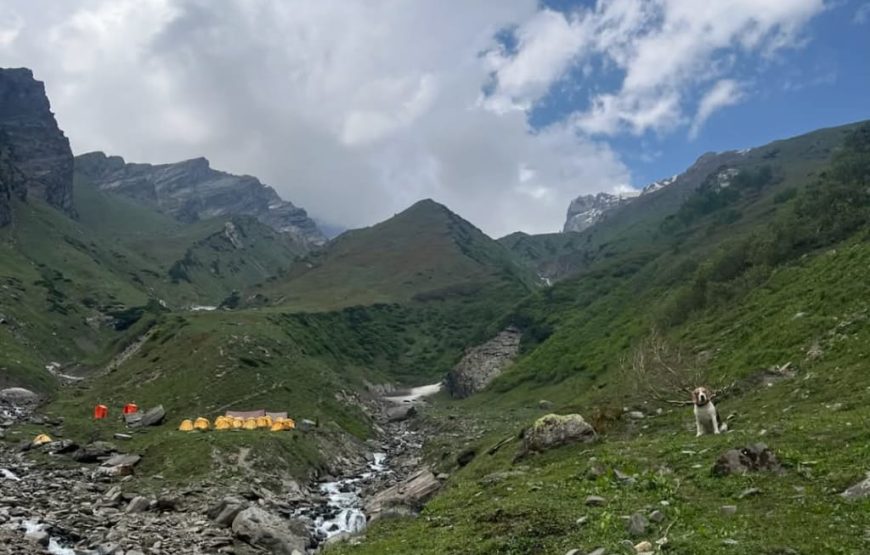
x: 53, y: 503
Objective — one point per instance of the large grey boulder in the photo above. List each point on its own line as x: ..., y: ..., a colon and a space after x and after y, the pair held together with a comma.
x: 484, y: 363
x: 554, y: 430
x: 18, y: 395
x: 404, y: 498
x: 152, y: 417
x: 270, y: 532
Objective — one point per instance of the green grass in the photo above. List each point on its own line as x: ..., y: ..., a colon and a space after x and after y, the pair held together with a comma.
x: 815, y: 422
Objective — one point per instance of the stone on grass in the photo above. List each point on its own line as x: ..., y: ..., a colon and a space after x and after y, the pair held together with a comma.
x: 554, y: 430
x: 860, y: 490
x: 595, y: 501
x: 637, y: 524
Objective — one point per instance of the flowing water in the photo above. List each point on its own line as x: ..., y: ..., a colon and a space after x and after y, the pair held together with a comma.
x: 343, y: 512
x: 54, y: 547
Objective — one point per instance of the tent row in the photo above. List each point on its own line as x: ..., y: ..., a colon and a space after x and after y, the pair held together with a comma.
x: 222, y: 423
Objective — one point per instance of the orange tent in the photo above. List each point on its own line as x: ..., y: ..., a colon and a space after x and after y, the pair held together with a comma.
x: 186, y: 425
x: 100, y: 412
x: 250, y: 424
x: 201, y: 424
x: 264, y: 422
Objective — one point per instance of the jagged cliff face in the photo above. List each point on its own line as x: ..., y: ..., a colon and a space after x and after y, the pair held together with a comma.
x: 192, y: 190
x: 32, y: 142
x: 587, y: 210
x: 13, y: 184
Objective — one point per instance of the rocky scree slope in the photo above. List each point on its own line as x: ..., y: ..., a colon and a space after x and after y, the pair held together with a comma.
x: 191, y: 190
x: 31, y: 139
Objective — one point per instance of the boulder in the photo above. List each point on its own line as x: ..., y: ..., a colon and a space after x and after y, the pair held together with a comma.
x: 226, y: 511
x: 18, y: 395
x: 268, y: 531
x: 554, y: 430
x: 637, y: 524
x: 138, y: 504
x: 152, y: 417
x: 406, y: 496
x: 401, y: 413
x: 861, y: 490
x: 94, y: 452
x: 754, y: 458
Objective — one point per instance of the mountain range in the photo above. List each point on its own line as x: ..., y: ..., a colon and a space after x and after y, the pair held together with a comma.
x: 201, y: 291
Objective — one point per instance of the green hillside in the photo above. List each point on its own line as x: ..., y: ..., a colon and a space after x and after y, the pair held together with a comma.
x: 771, y: 308
x: 424, y: 253
x: 662, y: 219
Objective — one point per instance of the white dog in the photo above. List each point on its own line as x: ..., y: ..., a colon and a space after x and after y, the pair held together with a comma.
x: 706, y: 417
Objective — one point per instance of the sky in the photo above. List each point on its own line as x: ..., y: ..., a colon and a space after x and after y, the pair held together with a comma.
x: 504, y: 110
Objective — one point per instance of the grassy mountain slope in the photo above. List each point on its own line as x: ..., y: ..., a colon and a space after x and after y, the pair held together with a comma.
x: 736, y: 299
x: 785, y: 166
x: 424, y: 253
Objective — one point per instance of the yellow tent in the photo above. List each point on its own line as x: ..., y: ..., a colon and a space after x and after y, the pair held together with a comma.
x: 277, y: 426
x: 41, y: 439
x: 250, y: 424
x: 223, y: 423
x: 186, y: 425
x: 289, y: 424
x: 264, y: 422
x: 201, y: 424
x: 238, y: 423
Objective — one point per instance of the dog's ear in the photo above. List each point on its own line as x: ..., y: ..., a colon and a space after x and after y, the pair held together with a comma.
x: 695, y: 396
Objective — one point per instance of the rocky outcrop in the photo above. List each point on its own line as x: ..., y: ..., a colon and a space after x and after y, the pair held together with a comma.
x: 31, y: 141
x: 554, y: 430
x: 191, y: 190
x: 587, y: 210
x: 483, y: 363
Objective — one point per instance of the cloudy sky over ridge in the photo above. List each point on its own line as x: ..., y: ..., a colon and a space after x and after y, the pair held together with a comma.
x: 504, y: 110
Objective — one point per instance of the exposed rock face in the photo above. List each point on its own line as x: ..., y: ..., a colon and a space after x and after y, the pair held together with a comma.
x: 554, y: 430
x: 31, y: 139
x: 192, y: 190
x: 263, y: 529
x: 483, y: 363
x: 587, y: 210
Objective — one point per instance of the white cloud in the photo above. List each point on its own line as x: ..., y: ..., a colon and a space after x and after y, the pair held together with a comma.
x: 356, y: 109
x: 547, y: 44
x: 725, y: 92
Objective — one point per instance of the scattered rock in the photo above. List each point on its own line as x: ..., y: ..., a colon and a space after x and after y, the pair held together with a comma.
x: 755, y: 458
x: 643, y: 547
x: 597, y: 551
x: 138, y: 504
x: 18, y: 395
x: 748, y: 493
x: 595, y: 501
x: 637, y: 524
x: 657, y: 516
x: 860, y: 490
x: 624, y: 478
x: 545, y: 405
x: 728, y: 510
x: 554, y: 430
x: 94, y: 452
x: 225, y: 512
x: 636, y: 415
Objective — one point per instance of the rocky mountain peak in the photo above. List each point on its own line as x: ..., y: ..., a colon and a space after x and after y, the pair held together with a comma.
x: 31, y: 141
x: 192, y: 190
x: 587, y: 210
